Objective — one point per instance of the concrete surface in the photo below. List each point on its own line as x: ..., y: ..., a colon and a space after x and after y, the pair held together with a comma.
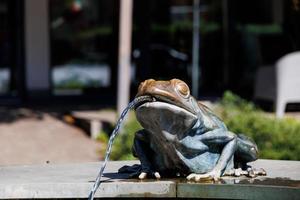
x: 76, y: 180
x: 39, y: 139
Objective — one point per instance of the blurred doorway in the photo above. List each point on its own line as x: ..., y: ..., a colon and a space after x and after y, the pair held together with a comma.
x: 83, y: 40
x: 11, y: 50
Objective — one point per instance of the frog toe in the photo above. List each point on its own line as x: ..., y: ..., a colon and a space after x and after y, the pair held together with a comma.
x: 191, y: 176
x: 238, y: 172
x: 207, y: 176
x: 143, y: 175
x: 157, y: 175
x: 261, y: 172
x: 252, y: 172
x: 197, y: 177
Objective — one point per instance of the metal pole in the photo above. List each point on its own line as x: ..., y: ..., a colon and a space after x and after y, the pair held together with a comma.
x: 196, y: 44
x: 125, y: 27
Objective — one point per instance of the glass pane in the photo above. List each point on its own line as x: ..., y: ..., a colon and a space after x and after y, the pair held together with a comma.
x: 81, y: 45
x: 162, y: 48
x: 236, y: 39
x: 5, y: 48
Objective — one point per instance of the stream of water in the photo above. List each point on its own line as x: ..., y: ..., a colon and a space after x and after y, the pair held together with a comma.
x: 115, y: 132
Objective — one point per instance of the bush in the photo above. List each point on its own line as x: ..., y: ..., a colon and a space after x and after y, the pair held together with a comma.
x: 276, y: 138
x: 121, y: 149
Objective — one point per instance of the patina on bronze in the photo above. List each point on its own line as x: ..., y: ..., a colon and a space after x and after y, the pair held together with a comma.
x: 182, y: 137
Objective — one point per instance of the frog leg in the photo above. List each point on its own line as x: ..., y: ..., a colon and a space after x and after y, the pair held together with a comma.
x: 217, y: 137
x: 246, y: 151
x: 142, y: 150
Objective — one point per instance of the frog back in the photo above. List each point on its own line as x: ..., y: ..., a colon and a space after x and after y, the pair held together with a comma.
x: 210, y: 120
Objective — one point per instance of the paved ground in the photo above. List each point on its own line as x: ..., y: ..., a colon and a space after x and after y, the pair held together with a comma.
x: 36, y: 138
x: 75, y: 181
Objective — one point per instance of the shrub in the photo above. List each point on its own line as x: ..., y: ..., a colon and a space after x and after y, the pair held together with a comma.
x: 121, y: 149
x: 276, y: 138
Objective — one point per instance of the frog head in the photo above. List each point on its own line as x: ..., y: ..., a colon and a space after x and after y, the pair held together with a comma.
x: 173, y: 111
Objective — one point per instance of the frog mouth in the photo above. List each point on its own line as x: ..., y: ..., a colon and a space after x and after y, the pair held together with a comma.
x: 160, y: 102
x: 140, y: 100
x: 156, y: 98
x: 164, y: 116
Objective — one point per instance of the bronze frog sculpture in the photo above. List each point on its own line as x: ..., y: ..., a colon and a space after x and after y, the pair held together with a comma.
x: 182, y: 137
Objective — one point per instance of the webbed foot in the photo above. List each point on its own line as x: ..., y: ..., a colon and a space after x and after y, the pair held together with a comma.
x: 213, y: 175
x: 143, y: 175
x: 250, y: 172
x: 236, y: 172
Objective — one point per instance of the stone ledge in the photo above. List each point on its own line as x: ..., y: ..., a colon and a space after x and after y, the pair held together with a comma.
x: 76, y: 180
x: 74, y: 190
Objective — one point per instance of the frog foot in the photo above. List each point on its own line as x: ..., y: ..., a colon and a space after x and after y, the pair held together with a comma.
x: 236, y: 172
x: 250, y: 172
x: 143, y: 175
x: 213, y: 175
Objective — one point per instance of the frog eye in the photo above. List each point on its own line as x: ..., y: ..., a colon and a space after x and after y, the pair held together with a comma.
x: 183, y: 89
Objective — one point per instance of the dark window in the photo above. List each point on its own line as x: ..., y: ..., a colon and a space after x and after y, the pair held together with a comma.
x: 83, y: 46
x: 11, y: 49
x: 163, y: 41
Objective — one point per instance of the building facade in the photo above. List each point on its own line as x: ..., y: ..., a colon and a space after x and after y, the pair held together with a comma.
x: 58, y: 50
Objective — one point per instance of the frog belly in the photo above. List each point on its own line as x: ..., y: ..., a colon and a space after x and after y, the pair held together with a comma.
x: 168, y: 160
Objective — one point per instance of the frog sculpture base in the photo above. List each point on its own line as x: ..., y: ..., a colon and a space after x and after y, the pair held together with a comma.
x: 182, y: 137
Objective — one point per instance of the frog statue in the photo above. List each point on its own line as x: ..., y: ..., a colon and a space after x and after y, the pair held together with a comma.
x: 182, y: 137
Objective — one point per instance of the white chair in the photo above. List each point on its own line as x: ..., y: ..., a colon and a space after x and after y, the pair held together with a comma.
x: 280, y: 84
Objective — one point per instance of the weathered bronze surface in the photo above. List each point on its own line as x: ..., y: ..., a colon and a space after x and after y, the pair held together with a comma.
x: 182, y: 137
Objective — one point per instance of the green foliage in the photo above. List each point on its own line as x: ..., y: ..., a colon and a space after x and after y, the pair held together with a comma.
x: 103, y: 137
x: 122, y: 145
x: 276, y: 138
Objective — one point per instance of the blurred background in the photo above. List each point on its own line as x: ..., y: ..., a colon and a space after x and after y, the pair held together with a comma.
x: 59, y: 64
